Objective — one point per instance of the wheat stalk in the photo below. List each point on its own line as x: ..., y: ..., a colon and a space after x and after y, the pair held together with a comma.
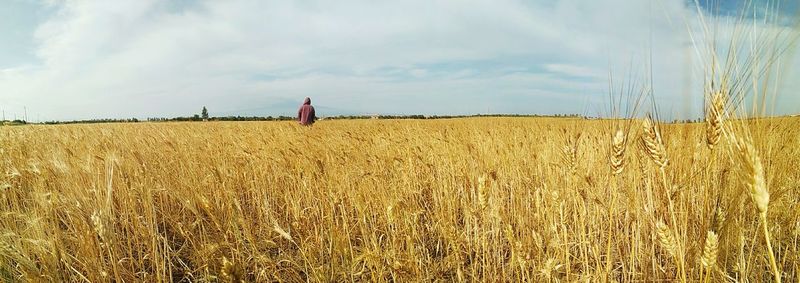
x: 709, y: 258
x: 667, y: 239
x: 754, y: 180
x: 715, y: 113
x: 753, y: 174
x: 618, y: 152
x: 652, y: 142
x: 670, y: 243
x: 99, y: 227
x: 569, y: 156
x: 483, y: 198
x: 719, y: 219
x: 229, y: 272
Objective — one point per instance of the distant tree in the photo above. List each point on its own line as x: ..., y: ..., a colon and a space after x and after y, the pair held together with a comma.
x: 204, y: 113
x: 195, y: 117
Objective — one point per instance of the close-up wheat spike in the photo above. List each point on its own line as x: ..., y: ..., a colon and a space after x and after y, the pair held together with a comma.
x: 752, y: 176
x: 709, y: 257
x: 653, y: 143
x: 669, y: 243
x: 618, y: 143
x: 715, y: 115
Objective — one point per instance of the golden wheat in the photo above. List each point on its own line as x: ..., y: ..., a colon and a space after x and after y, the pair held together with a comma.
x: 480, y: 199
x: 618, y: 144
x: 652, y: 142
x: 715, y: 114
x: 709, y: 258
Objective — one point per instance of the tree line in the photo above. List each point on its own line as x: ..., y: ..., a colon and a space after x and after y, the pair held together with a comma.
x: 204, y: 116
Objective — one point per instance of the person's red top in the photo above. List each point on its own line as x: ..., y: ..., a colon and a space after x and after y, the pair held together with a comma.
x: 305, y: 115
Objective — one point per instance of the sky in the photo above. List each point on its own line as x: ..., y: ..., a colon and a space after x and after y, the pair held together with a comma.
x: 75, y: 59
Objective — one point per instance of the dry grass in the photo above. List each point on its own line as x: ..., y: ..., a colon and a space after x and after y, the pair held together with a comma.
x: 484, y: 199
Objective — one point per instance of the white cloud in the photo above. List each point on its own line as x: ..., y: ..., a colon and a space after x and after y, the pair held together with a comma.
x: 574, y: 71
x: 143, y: 58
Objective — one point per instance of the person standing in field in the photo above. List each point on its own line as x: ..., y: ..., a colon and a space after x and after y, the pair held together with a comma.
x: 306, y: 115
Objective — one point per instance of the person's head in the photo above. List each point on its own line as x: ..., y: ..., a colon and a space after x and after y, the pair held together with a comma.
x: 307, y: 101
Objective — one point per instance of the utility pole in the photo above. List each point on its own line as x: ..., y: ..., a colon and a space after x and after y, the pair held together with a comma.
x: 25, y: 109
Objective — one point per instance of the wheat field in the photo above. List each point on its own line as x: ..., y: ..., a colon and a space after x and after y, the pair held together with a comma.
x: 473, y: 199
